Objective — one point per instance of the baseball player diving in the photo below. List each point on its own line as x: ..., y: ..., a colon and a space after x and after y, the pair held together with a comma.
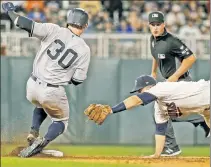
x: 173, y: 59
x: 172, y: 100
x: 63, y: 58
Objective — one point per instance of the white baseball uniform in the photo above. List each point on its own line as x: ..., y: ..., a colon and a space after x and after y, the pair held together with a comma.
x: 62, y: 56
x: 187, y: 97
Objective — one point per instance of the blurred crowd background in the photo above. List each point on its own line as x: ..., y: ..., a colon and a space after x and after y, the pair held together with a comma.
x: 113, y: 25
x: 182, y: 17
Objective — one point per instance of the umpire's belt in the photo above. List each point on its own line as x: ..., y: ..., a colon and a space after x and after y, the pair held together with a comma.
x: 49, y: 85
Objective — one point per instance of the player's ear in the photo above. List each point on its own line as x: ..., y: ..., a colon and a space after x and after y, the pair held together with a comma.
x: 164, y: 25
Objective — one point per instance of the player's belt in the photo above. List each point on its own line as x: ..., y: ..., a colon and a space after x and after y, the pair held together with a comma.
x: 49, y: 85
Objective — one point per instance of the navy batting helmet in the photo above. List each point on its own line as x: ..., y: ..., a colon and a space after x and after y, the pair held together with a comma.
x: 143, y: 81
x: 77, y: 16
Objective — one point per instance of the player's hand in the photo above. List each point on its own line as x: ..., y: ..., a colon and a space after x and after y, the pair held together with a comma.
x: 8, y: 6
x: 172, y: 78
x: 98, y: 112
x: 152, y: 156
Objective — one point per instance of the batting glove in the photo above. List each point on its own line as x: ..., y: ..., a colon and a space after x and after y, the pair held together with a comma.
x: 8, y: 6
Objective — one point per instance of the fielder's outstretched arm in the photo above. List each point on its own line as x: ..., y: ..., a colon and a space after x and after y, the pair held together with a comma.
x: 143, y: 99
x: 133, y: 101
x: 98, y: 113
x: 130, y: 102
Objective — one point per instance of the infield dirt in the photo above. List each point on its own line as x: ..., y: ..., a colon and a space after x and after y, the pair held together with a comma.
x: 158, y: 162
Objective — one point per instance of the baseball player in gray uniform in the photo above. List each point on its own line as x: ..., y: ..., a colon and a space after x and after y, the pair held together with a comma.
x: 173, y: 100
x: 63, y: 58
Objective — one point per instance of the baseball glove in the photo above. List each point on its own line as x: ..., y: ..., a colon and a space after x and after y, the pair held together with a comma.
x: 98, y: 112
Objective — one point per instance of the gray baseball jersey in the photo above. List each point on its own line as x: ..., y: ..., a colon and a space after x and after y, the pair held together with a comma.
x: 62, y: 55
x: 188, y: 97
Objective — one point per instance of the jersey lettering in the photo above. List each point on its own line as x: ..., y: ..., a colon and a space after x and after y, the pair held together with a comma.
x: 59, y: 49
x: 74, y: 55
x: 173, y: 110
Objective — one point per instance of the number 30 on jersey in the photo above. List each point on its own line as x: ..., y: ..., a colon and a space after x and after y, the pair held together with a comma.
x: 58, y: 49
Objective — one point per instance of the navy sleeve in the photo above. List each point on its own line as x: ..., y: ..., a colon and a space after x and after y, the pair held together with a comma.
x: 146, y: 98
x: 118, y: 108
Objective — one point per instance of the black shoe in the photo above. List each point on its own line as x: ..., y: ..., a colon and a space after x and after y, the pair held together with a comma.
x: 170, y: 152
x: 36, y: 147
x: 205, y: 128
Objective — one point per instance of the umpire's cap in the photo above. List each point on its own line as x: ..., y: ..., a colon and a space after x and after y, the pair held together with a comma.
x: 143, y: 81
x: 77, y: 16
x: 157, y: 17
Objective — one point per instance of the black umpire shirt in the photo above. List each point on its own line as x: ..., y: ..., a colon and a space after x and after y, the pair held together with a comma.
x: 165, y: 49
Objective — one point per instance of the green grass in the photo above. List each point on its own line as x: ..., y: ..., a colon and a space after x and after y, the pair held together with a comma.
x: 115, y: 150
x: 32, y: 162
x: 91, y: 151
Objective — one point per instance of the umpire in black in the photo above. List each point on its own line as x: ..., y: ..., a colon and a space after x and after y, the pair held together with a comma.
x: 166, y: 50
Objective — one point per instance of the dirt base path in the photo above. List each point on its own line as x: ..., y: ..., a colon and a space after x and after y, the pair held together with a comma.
x: 155, y: 162
x: 179, y: 161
